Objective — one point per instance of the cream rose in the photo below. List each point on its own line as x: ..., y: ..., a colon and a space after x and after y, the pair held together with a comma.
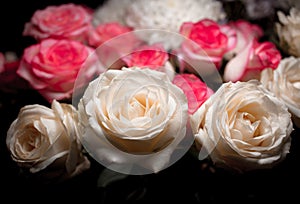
x: 288, y: 30
x: 284, y: 82
x: 133, y: 120
x: 242, y: 127
x: 45, y: 141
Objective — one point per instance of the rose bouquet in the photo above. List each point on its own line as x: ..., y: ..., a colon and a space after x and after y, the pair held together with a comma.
x: 135, y: 86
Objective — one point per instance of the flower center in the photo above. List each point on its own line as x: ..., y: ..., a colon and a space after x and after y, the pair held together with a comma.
x: 247, y: 125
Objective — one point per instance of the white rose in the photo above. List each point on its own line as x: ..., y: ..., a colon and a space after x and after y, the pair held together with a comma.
x: 41, y: 138
x: 133, y: 119
x: 242, y: 127
x: 288, y: 30
x: 284, y: 82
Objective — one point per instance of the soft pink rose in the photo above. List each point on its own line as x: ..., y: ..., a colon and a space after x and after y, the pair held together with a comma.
x: 195, y: 90
x: 251, y: 61
x: 113, y: 41
x: 64, y: 21
x: 107, y: 31
x: 151, y: 56
x: 245, y: 32
x: 208, y: 41
x: 51, y: 67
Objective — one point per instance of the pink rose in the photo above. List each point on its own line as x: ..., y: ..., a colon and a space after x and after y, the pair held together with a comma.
x: 195, y: 90
x: 151, y: 56
x: 209, y: 41
x: 113, y: 41
x: 251, y: 61
x: 65, y: 21
x: 107, y: 31
x: 246, y: 32
x: 51, y: 67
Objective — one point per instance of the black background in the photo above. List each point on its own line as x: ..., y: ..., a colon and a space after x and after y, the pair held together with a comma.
x: 188, y: 180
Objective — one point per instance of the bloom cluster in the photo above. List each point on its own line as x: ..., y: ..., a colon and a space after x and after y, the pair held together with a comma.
x: 136, y: 84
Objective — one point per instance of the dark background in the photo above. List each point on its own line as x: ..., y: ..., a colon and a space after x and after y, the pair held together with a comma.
x: 188, y: 180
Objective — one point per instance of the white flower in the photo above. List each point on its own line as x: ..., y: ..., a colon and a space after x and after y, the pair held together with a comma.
x: 133, y: 119
x: 167, y: 15
x: 284, y: 82
x: 47, y: 139
x: 243, y: 127
x: 111, y: 11
x: 288, y: 30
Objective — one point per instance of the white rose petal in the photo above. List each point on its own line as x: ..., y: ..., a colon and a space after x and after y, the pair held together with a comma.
x: 288, y: 31
x: 133, y: 119
x: 242, y: 127
x: 40, y: 137
x: 284, y: 82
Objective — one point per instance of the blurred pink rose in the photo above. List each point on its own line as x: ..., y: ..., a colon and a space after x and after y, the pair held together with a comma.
x: 2, y: 60
x: 113, y: 41
x: 251, y: 61
x: 10, y: 81
x: 107, y: 31
x: 209, y: 41
x: 151, y: 56
x: 245, y: 32
x: 51, y: 67
x: 195, y: 90
x: 60, y: 22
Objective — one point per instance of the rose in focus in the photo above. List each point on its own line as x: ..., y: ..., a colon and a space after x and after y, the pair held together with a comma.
x: 133, y: 117
x: 45, y: 140
x: 243, y: 127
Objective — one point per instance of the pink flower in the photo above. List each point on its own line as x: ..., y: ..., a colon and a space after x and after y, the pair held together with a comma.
x: 113, y: 41
x: 107, y: 31
x: 65, y: 21
x: 209, y: 41
x: 151, y: 56
x: 51, y: 67
x: 251, y: 61
x: 195, y: 90
x: 246, y: 32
